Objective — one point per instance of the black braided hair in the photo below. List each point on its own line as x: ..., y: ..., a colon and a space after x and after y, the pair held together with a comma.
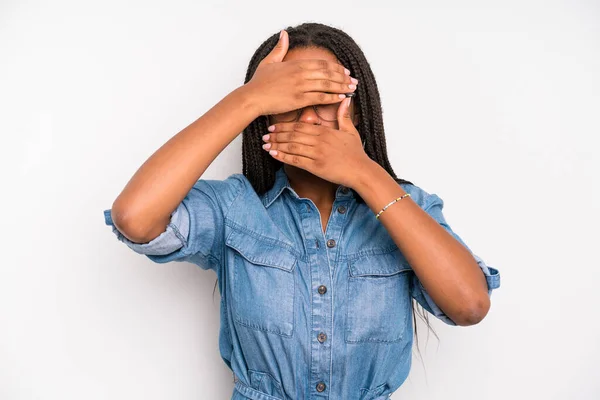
x: 257, y: 165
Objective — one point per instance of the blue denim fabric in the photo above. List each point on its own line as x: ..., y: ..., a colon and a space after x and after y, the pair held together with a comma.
x: 271, y: 257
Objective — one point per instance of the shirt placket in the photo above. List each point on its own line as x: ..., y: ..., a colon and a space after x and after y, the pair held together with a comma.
x: 322, y: 252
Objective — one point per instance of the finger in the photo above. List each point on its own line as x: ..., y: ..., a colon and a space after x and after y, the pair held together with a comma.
x: 325, y: 85
x: 343, y: 116
x: 298, y: 149
x: 309, y: 98
x: 328, y: 74
x: 280, y: 49
x: 324, y: 64
x: 293, y: 136
x: 293, y: 159
x: 301, y: 127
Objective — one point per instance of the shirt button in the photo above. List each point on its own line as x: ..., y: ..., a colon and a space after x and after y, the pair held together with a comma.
x: 341, y: 209
x: 322, y: 289
x: 330, y: 243
x: 344, y: 190
x: 320, y: 387
x: 322, y: 337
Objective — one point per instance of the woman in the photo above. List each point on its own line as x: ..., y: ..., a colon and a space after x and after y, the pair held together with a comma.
x: 318, y: 248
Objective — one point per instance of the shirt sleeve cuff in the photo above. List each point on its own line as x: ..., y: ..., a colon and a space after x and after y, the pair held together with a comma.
x: 492, y: 275
x: 173, y: 238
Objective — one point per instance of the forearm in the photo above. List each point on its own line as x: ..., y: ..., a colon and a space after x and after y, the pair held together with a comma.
x: 143, y: 208
x: 446, y: 269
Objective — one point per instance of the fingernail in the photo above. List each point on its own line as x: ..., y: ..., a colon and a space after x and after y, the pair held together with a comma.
x: 352, y: 86
x: 266, y: 137
x: 346, y: 71
x: 273, y: 152
x: 266, y: 146
x: 280, y: 34
x: 271, y: 128
x: 342, y: 96
x: 354, y: 80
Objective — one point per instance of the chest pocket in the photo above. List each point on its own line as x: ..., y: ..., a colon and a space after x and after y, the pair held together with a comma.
x: 378, y: 305
x: 263, y: 286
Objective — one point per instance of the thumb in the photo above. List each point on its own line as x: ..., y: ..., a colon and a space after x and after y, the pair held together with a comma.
x: 343, y: 116
x: 280, y: 49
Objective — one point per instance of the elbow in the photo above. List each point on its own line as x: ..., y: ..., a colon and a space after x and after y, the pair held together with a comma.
x: 473, y: 311
x: 129, y: 227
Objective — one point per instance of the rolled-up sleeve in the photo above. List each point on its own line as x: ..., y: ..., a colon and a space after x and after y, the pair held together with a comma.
x: 195, y: 230
x: 433, y: 205
x: 173, y: 238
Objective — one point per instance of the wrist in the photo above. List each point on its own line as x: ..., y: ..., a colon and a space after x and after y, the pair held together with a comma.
x: 377, y: 187
x: 248, y: 99
x: 365, y: 174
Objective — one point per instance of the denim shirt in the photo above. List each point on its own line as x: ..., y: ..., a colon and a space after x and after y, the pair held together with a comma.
x: 304, y: 315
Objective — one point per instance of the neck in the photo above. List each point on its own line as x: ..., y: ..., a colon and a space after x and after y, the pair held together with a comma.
x: 308, y: 185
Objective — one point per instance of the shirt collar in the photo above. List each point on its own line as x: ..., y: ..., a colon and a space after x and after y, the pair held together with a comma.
x: 282, y: 182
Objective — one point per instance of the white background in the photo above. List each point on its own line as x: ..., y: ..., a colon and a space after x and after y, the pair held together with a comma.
x: 493, y: 106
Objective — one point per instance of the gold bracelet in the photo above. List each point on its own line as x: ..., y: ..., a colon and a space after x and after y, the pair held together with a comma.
x: 392, y: 202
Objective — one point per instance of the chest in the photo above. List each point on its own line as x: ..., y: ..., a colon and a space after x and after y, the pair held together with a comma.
x: 293, y: 267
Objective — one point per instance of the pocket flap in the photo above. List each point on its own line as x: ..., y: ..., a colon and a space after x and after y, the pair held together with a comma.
x: 381, y: 264
x: 261, y: 250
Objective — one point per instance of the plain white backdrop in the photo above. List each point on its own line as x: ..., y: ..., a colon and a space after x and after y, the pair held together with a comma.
x: 495, y: 106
